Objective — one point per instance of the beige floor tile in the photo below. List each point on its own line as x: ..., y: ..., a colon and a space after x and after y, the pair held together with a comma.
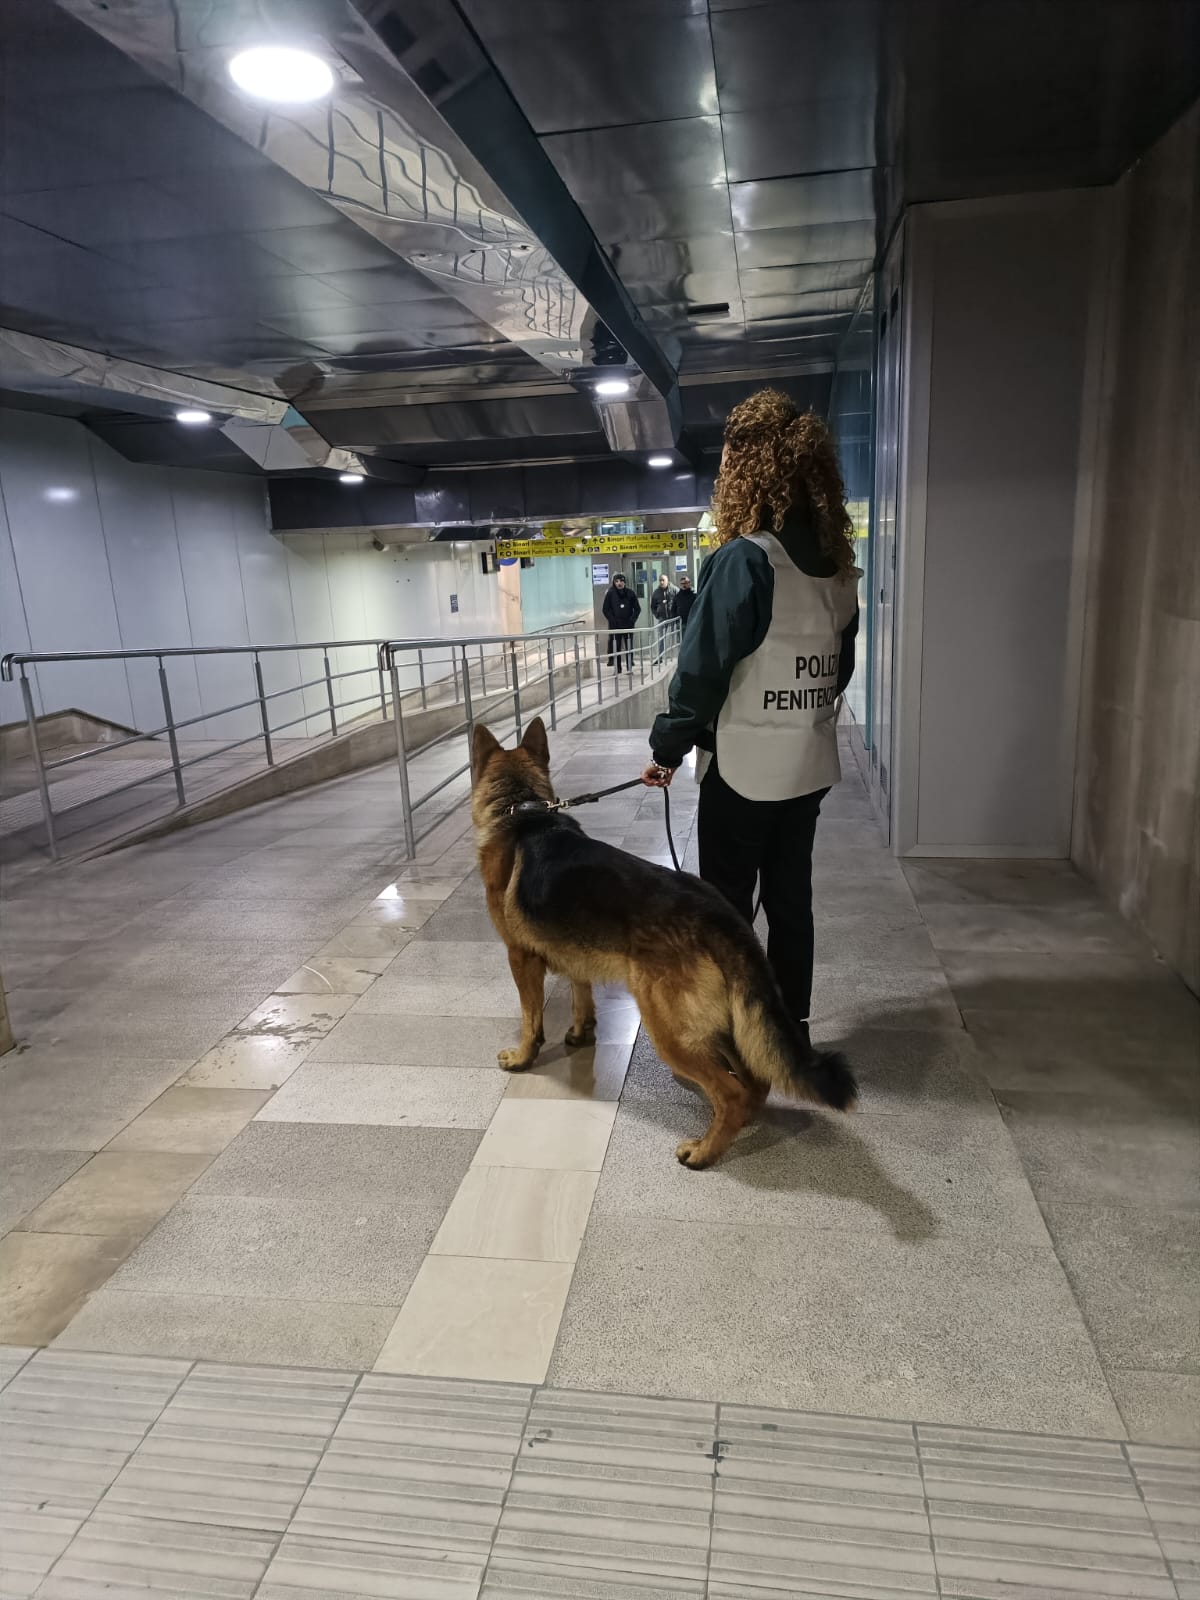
x: 471, y: 1318
x: 117, y: 1194
x: 191, y: 1121
x: 248, y: 1061
x: 366, y: 939
x: 299, y: 1018
x: 335, y: 975
x: 517, y: 1214
x: 597, y: 1073
x: 419, y: 889
x: 407, y: 914
x: 566, y: 1135
x: 45, y: 1278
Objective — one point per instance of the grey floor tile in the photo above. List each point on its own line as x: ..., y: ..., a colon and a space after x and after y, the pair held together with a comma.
x: 1158, y: 1407
x: 128, y: 1553
x: 65, y: 1101
x: 68, y: 1424
x: 417, y: 1465
x: 1169, y: 1481
x: 611, y: 1492
x: 232, y: 1328
x: 1136, y: 1274
x: 1143, y: 1064
x: 338, y: 1569
x: 234, y: 1448
x: 900, y: 1071
x: 27, y: 1177
x: 941, y: 1328
x: 918, y: 1176
x: 1096, y: 1152
x: 428, y: 1097
x: 286, y: 1160
x: 991, y: 883
x: 1061, y: 929
x: 468, y: 923
x: 350, y: 1250
x: 12, y: 1358
x: 398, y: 1040
x: 1130, y: 988
x: 821, y: 1501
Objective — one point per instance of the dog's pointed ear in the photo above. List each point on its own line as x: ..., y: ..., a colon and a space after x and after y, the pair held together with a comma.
x: 484, y: 745
x: 536, y: 743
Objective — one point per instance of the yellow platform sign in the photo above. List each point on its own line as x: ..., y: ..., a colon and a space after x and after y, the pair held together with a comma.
x: 634, y: 544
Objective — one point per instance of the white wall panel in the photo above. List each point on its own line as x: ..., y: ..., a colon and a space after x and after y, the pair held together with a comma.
x: 58, y: 543
x: 14, y: 635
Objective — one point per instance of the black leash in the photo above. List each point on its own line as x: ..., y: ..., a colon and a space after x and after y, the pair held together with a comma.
x: 617, y: 788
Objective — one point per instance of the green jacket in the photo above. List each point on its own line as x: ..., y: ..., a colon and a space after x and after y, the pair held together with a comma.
x: 727, y: 623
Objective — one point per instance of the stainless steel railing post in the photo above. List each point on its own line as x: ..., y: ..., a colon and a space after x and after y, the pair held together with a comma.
x: 454, y: 672
x: 382, y: 696
x: 421, y: 676
x: 516, y: 688
x: 35, y: 750
x: 262, y: 711
x: 642, y: 661
x: 329, y: 696
x: 600, y: 666
x: 578, y: 678
x: 171, y: 739
x: 468, y: 707
x: 410, y: 832
x: 550, y: 677
x: 482, y: 671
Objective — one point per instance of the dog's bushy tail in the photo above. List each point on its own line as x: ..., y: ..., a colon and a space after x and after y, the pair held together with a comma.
x: 773, y: 1051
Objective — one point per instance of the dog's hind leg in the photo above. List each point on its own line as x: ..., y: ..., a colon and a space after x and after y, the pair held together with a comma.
x: 733, y: 1104
x: 529, y: 973
x: 583, y: 1019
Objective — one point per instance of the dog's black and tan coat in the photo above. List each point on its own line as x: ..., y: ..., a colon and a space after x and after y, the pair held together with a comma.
x: 568, y: 904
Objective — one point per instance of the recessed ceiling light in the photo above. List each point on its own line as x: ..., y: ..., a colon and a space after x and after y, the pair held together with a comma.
x: 193, y: 418
x: 61, y: 493
x: 661, y: 461
x: 289, y: 77
x: 613, y: 386
x: 350, y: 477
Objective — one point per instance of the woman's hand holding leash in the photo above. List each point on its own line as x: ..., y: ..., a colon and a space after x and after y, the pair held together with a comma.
x: 656, y: 777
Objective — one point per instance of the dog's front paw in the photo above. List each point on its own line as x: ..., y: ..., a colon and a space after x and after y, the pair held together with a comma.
x: 577, y: 1037
x: 514, y: 1060
x: 688, y: 1154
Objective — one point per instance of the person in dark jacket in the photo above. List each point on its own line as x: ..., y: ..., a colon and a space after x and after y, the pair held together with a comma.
x: 768, y: 652
x: 684, y: 600
x: 662, y: 606
x: 621, y: 608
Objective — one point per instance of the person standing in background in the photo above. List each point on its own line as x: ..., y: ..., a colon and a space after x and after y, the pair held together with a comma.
x: 621, y: 609
x: 684, y: 600
x: 768, y: 652
x: 662, y: 606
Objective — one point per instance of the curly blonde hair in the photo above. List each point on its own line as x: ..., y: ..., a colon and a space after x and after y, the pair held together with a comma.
x: 777, y: 457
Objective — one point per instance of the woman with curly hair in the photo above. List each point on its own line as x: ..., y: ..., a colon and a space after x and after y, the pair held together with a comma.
x: 768, y: 651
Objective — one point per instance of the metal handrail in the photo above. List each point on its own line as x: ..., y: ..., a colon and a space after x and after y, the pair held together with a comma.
x: 562, y: 654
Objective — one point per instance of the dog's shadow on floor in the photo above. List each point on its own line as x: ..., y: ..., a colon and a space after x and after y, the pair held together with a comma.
x: 787, y: 1150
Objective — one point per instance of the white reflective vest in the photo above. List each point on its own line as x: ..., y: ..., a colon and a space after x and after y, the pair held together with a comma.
x: 777, y: 731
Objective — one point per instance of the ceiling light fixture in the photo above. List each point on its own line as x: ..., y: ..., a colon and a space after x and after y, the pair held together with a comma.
x: 193, y: 418
x: 288, y: 77
x: 61, y: 493
x: 661, y: 461
x: 613, y: 386
x: 350, y: 477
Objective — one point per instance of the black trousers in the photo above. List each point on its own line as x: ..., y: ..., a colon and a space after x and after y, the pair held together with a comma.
x: 743, y: 841
x: 620, y: 646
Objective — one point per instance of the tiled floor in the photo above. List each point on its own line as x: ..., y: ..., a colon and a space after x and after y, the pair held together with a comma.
x: 256, y: 1120
x: 127, y: 1476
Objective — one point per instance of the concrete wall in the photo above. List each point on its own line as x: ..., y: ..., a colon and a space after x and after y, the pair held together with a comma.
x: 1137, y: 799
x: 98, y: 553
x: 999, y: 297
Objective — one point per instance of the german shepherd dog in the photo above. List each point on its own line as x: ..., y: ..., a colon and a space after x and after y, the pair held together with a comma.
x: 568, y: 904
